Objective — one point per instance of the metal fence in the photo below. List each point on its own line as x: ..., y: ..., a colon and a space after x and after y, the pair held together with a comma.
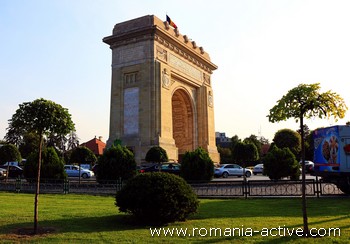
x: 256, y: 188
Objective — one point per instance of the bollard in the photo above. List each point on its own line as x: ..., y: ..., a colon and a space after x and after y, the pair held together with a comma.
x: 66, y: 186
x: 18, y: 184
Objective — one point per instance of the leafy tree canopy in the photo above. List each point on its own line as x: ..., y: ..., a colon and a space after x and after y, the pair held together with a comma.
x: 9, y: 153
x: 82, y: 155
x: 40, y: 117
x: 245, y: 152
x: 307, y: 101
x: 287, y: 138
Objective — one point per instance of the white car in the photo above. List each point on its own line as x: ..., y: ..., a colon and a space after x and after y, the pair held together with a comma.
x: 258, y: 169
x: 225, y: 170
x: 73, y: 171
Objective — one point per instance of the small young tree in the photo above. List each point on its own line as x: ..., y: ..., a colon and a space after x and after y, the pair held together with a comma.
x: 197, y: 166
x: 306, y: 101
x: 117, y: 162
x: 42, y: 117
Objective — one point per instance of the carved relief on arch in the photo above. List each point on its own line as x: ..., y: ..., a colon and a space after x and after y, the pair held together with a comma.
x: 161, y: 54
x: 210, y: 99
x: 206, y: 78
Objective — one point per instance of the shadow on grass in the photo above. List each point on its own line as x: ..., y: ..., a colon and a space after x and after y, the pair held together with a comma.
x: 81, y: 225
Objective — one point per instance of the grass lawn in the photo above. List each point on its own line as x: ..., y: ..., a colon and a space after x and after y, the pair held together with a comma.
x: 95, y: 219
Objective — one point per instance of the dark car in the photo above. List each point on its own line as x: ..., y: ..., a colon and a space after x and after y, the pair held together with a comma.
x: 173, y: 168
x: 13, y: 171
x: 3, y: 173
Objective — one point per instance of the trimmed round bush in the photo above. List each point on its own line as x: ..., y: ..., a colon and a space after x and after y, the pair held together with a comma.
x: 197, y: 166
x: 279, y: 163
x: 156, y: 154
x: 157, y: 198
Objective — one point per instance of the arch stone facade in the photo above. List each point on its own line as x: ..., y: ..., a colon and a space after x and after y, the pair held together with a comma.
x: 161, y: 93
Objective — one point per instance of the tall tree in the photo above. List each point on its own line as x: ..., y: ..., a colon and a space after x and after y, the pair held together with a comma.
x: 253, y: 139
x: 42, y: 117
x: 306, y: 101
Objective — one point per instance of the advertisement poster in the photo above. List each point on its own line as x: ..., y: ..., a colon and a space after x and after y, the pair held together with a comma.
x: 327, y: 153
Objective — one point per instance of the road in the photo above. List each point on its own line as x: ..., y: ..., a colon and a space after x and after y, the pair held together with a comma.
x: 255, y: 177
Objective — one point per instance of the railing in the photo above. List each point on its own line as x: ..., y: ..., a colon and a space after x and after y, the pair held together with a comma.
x: 255, y: 188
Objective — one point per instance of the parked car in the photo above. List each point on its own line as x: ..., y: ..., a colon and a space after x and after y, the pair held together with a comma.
x: 258, y: 169
x: 94, y: 169
x: 309, y: 166
x: 13, y: 171
x: 73, y: 171
x: 170, y: 167
x: 226, y: 170
x: 3, y: 173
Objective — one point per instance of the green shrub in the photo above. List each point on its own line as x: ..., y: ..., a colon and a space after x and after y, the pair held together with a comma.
x: 157, y: 198
x: 116, y: 163
x: 156, y: 154
x: 52, y: 167
x: 197, y: 166
x: 279, y: 163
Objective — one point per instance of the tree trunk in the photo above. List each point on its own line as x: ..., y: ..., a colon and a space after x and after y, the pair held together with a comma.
x: 37, y: 188
x: 303, y: 188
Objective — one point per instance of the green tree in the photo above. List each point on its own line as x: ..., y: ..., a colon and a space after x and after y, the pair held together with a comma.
x: 29, y: 144
x: 225, y: 154
x: 280, y: 163
x: 197, y: 166
x: 82, y: 155
x: 42, y: 117
x: 117, y: 162
x: 52, y: 167
x: 245, y: 152
x: 156, y: 154
x: 306, y: 101
x: 234, y: 140
x: 290, y: 139
x: 9, y: 153
x: 253, y: 139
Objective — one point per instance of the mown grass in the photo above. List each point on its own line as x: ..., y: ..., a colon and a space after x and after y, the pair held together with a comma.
x: 95, y: 219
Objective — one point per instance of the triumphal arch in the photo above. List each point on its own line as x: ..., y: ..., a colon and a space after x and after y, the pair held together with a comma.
x: 161, y: 92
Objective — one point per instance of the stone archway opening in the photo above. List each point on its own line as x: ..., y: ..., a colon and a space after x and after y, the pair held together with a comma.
x: 183, y: 122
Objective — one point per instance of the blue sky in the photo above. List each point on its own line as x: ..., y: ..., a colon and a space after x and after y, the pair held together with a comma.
x: 53, y: 49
